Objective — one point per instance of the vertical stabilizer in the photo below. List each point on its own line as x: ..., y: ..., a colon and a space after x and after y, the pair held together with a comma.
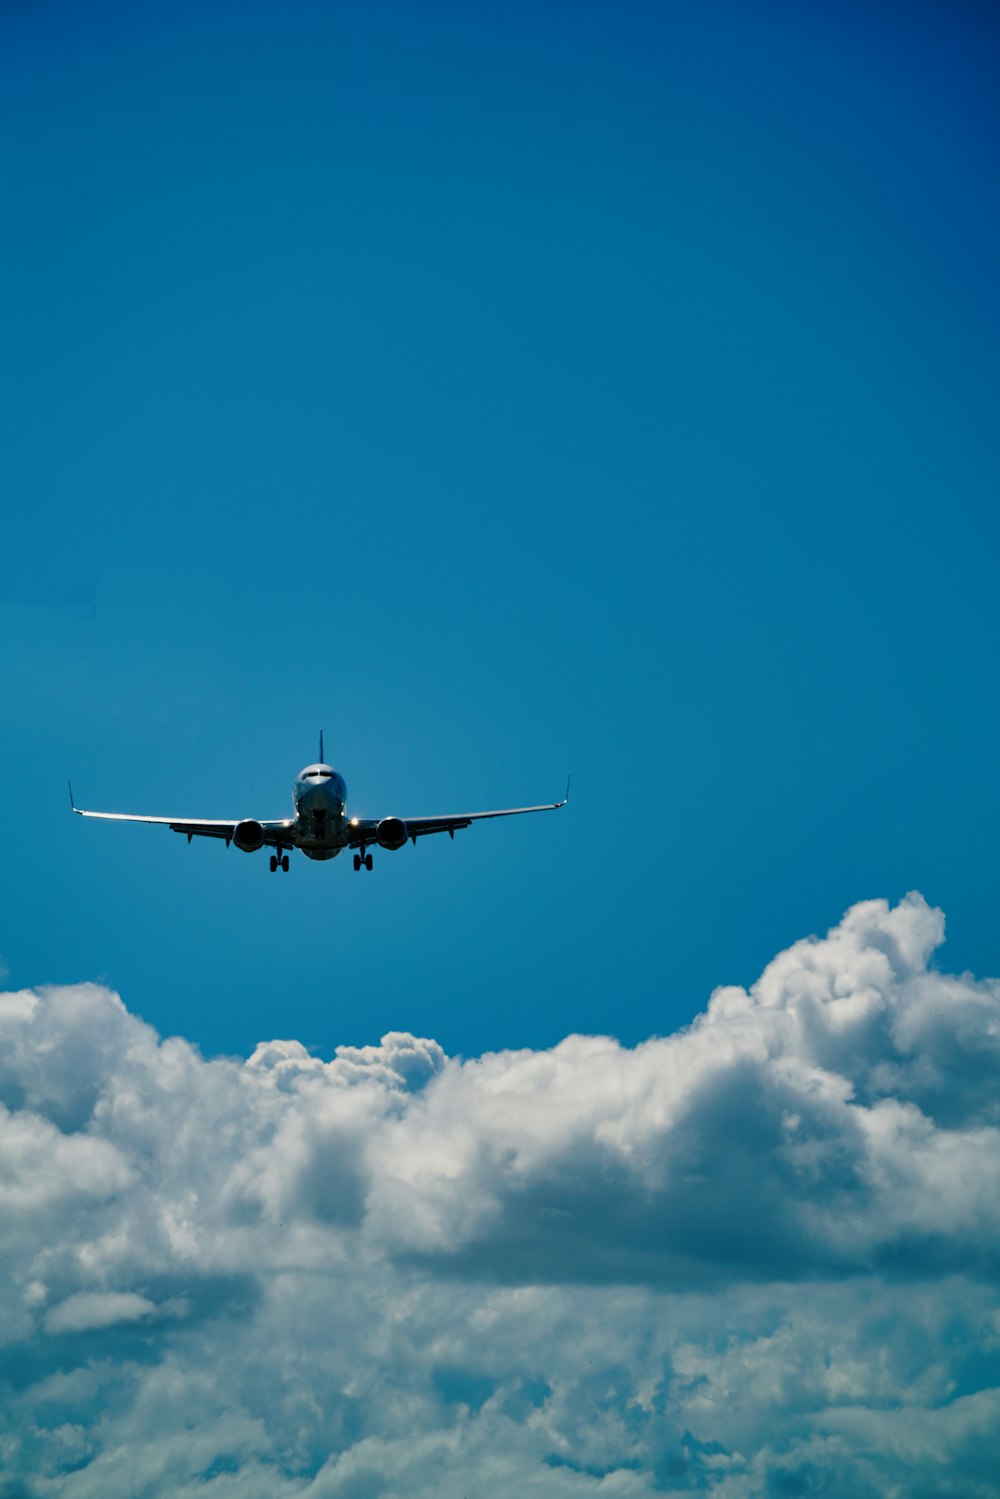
x: 321, y: 760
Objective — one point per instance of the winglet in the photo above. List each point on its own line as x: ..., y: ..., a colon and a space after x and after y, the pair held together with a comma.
x: 566, y: 797
x: 321, y: 760
x: 71, y: 801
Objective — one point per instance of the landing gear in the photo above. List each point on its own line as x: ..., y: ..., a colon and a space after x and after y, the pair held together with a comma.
x: 279, y: 862
x: 362, y: 858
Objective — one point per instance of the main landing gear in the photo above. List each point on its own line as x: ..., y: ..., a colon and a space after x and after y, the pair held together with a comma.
x: 362, y: 858
x: 278, y: 861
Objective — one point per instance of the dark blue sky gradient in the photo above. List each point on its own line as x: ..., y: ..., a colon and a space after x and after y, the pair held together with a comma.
x: 509, y: 390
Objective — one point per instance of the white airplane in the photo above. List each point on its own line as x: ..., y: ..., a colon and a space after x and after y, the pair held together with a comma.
x: 321, y: 827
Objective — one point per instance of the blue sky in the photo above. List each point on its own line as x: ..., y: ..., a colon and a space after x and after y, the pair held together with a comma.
x: 507, y: 390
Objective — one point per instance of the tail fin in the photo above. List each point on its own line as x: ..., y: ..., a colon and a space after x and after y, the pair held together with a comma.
x: 321, y: 760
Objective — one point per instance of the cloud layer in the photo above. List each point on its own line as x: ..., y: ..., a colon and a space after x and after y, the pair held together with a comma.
x: 756, y: 1257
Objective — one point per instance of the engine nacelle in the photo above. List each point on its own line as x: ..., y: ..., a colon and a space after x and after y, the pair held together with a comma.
x: 248, y: 835
x: 391, y: 832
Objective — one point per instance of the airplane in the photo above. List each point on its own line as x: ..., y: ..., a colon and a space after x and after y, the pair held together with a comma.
x: 321, y: 827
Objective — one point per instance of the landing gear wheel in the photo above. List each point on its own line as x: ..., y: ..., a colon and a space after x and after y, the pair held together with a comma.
x: 357, y: 862
x: 274, y: 863
x: 284, y: 864
x: 368, y: 861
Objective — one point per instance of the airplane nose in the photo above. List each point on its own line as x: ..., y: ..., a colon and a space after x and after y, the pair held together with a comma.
x: 320, y: 796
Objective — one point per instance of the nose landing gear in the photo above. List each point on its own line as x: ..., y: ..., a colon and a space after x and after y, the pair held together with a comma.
x: 362, y: 858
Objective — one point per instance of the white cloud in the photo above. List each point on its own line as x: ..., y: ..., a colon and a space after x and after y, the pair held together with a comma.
x: 90, y: 1310
x: 758, y: 1256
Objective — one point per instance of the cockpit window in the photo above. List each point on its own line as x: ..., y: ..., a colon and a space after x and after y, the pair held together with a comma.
x: 325, y: 775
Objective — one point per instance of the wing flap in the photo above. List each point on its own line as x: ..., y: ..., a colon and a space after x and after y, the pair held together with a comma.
x: 276, y: 834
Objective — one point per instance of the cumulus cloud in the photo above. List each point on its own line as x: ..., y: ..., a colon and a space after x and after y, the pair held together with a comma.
x: 87, y: 1310
x: 758, y: 1256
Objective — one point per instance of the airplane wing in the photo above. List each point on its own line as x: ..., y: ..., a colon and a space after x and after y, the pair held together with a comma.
x: 362, y: 829
x: 275, y: 832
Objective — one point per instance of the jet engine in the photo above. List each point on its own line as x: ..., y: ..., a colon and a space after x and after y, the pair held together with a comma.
x: 248, y: 835
x: 391, y: 832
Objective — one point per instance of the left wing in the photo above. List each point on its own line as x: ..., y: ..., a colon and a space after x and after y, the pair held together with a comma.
x: 274, y: 832
x: 362, y: 829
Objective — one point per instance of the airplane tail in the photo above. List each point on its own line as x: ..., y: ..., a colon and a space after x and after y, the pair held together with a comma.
x: 321, y: 760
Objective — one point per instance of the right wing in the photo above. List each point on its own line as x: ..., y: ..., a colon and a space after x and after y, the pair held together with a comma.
x: 275, y: 832
x: 362, y: 829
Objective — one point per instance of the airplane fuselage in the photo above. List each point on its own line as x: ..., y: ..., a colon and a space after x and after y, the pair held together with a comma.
x: 319, y: 795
